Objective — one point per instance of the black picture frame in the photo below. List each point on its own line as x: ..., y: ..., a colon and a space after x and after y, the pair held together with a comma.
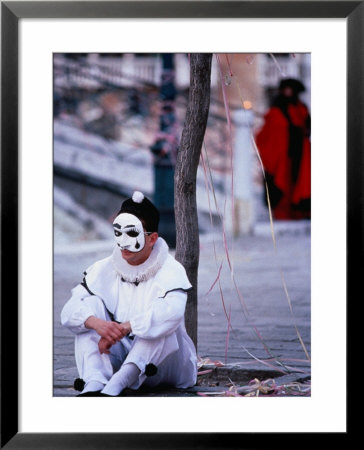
x: 11, y: 12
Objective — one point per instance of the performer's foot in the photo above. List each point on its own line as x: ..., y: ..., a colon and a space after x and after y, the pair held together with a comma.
x: 98, y: 394
x: 91, y: 394
x: 126, y: 376
x: 91, y: 389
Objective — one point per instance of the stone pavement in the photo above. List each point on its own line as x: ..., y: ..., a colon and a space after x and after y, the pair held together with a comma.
x: 263, y: 341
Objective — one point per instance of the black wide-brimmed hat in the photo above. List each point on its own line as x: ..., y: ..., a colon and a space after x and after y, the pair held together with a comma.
x: 141, y: 207
x: 296, y: 85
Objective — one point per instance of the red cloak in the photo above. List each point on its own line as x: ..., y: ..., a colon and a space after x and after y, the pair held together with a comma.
x: 287, y: 161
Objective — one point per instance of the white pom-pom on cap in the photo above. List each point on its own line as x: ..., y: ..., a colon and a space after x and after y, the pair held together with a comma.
x: 138, y: 197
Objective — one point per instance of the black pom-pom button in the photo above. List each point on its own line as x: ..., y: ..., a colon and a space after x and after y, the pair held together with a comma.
x: 78, y: 384
x: 150, y: 370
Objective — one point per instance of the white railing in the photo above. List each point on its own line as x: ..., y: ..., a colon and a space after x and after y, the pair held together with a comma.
x: 125, y: 71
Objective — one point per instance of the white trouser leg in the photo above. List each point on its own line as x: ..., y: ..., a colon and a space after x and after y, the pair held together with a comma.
x: 91, y: 364
x: 126, y: 376
x: 151, y: 351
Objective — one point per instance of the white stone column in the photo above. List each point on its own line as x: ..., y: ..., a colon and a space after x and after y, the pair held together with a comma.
x: 241, y: 220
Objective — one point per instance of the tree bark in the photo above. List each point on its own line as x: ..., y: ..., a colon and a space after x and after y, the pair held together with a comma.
x: 187, y: 232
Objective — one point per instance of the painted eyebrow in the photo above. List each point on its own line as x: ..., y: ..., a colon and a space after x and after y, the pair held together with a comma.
x: 116, y: 225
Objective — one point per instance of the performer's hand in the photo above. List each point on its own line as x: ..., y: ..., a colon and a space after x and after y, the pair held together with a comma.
x: 104, y: 346
x: 111, y: 331
x: 125, y: 328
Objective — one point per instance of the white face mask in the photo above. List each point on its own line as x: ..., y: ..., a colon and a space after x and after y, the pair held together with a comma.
x: 129, y: 233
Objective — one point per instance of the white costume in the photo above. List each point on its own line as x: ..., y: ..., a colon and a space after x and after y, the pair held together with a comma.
x: 152, y: 297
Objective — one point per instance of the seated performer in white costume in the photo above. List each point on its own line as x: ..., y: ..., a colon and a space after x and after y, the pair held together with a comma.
x: 128, y: 312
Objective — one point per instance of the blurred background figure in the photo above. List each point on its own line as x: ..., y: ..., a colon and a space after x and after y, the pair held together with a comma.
x: 285, y: 149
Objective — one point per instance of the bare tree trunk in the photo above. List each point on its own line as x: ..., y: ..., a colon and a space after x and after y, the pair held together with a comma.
x: 187, y: 233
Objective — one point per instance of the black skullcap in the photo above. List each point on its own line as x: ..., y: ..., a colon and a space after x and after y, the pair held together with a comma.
x: 141, y: 207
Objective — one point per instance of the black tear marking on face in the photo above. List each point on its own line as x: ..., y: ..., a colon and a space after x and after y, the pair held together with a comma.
x: 137, y: 245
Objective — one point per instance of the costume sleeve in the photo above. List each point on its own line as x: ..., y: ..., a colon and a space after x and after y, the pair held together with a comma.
x: 162, y: 318
x: 76, y: 311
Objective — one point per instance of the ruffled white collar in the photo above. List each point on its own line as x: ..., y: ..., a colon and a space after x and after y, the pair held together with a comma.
x: 144, y: 271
